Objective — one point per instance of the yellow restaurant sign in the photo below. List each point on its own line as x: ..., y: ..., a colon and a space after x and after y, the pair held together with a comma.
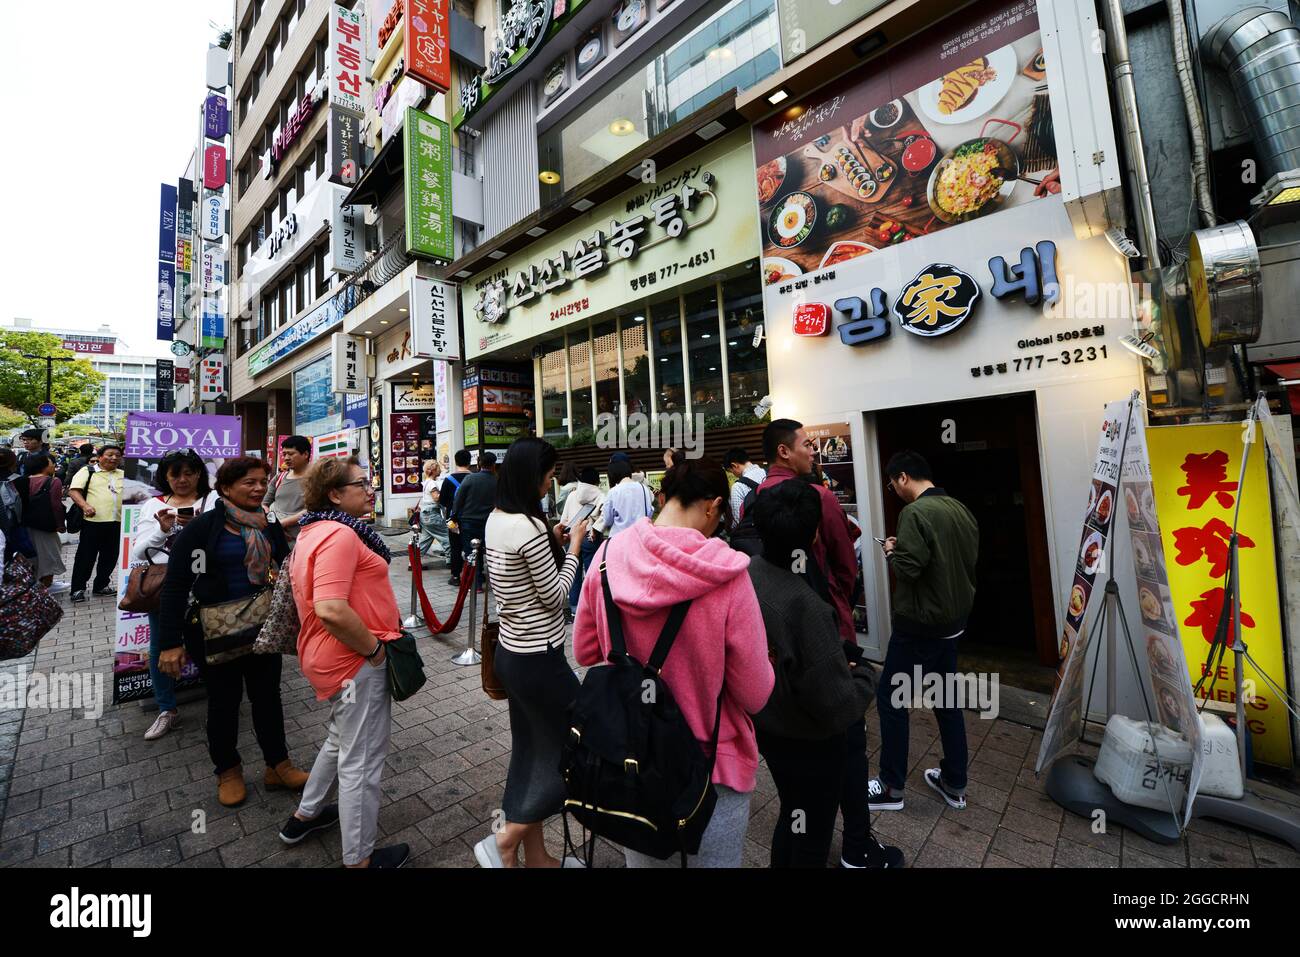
x: 1195, y: 472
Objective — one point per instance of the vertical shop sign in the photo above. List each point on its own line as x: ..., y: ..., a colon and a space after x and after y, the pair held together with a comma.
x: 348, y: 354
x: 1198, y: 484
x: 166, y: 300
x: 346, y: 108
x: 347, y: 250
x: 428, y: 56
x: 214, y: 167
x: 167, y: 224
x: 212, y: 217
x: 212, y: 378
x: 434, y: 332
x: 428, y: 186
x: 216, y: 117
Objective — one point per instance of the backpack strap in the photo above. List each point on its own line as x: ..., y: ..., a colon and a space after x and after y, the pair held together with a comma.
x: 617, y: 642
x: 748, y: 483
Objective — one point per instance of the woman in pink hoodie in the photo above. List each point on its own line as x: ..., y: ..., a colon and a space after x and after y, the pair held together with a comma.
x: 722, y: 645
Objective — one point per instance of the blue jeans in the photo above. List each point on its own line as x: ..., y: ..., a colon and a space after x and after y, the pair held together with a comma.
x: 933, y: 655
x: 164, y: 687
x: 584, y: 559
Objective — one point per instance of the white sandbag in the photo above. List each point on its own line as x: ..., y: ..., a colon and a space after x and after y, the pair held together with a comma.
x: 1142, y: 770
x: 1220, y: 765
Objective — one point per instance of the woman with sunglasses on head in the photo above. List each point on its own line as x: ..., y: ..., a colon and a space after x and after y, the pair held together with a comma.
x: 227, y: 556
x: 183, y: 481
x: 347, y: 612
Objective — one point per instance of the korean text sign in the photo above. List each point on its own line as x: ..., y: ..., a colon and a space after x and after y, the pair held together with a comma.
x: 1196, y: 473
x: 428, y: 54
x: 428, y: 186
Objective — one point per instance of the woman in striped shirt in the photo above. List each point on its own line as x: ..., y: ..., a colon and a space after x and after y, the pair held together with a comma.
x: 531, y: 576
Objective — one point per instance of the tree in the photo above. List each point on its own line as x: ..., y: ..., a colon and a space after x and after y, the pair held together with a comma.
x: 11, y: 419
x: 76, y: 385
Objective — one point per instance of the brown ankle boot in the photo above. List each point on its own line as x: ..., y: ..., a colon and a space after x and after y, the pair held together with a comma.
x: 231, y: 791
x: 285, y: 775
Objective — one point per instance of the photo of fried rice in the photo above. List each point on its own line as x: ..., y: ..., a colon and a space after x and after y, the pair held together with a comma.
x: 969, y: 181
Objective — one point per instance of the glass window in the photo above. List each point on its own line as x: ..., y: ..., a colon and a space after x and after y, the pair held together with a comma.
x: 580, y: 376
x: 604, y: 351
x: 555, y: 407
x: 742, y: 303
x: 323, y: 275
x: 705, y: 351
x: 666, y: 317
x: 636, y: 364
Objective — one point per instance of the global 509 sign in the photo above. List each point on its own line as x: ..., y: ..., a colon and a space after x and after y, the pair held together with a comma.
x: 939, y: 300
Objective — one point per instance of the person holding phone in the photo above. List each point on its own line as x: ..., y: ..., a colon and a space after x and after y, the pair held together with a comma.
x: 183, y: 481
x: 583, y: 503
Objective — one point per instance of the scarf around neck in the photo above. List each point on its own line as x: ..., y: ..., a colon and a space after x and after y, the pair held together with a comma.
x: 251, y: 525
x: 369, y: 537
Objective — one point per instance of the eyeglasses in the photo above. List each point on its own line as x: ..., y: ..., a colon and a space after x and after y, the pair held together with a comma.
x: 360, y: 483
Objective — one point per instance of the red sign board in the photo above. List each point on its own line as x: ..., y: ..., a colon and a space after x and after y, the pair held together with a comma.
x: 428, y: 54
x: 214, y: 167
x: 94, y: 348
x: 182, y: 374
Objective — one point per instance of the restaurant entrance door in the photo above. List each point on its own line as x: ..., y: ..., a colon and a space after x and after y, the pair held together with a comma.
x: 984, y: 452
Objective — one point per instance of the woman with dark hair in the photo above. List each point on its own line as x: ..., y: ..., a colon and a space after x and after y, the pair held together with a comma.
x: 721, y: 651
x: 43, y: 517
x: 586, y: 492
x: 183, y: 481
x: 568, y: 482
x: 531, y: 576
x: 229, y: 556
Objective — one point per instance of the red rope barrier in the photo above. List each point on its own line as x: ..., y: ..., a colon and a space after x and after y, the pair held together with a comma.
x: 417, y: 573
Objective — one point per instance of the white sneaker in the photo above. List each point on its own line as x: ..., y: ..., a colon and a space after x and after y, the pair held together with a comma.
x: 165, y: 721
x: 57, y: 588
x: 487, y: 853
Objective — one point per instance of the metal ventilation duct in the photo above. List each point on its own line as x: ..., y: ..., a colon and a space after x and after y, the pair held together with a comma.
x: 1260, y: 50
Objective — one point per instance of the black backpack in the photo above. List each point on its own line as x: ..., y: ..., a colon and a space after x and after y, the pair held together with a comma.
x: 633, y: 771
x: 744, y: 537
x: 38, y: 509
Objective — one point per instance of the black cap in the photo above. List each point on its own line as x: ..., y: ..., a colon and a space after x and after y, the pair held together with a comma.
x: 33, y: 434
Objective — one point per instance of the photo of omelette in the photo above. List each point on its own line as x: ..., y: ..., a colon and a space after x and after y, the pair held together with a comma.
x: 960, y: 86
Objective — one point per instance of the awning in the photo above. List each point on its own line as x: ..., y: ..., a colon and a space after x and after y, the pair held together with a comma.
x: 1288, y: 372
x: 382, y: 176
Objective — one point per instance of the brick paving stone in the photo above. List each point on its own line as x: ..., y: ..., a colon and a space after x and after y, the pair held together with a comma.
x: 1030, y: 825
x: 1271, y: 853
x: 106, y: 846
x: 1175, y: 853
x: 1021, y: 849
x: 1080, y: 831
x: 1035, y: 802
x: 70, y: 790
x: 1206, y: 851
x: 70, y: 832
x: 17, y: 825
x: 18, y: 850
x: 1132, y: 857
x: 215, y: 834
x: 447, y: 824
x: 996, y: 860
x: 1069, y: 854
x: 153, y: 856
x: 973, y: 816
x: 1220, y: 831
x: 937, y: 855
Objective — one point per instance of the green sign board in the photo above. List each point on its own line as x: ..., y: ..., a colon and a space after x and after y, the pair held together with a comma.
x: 428, y: 186
x: 471, y: 431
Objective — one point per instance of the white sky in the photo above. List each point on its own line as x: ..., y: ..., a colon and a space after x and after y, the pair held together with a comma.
x: 101, y: 107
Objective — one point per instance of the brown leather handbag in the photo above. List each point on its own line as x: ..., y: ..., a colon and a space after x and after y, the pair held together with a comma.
x: 489, y: 638
x: 144, y: 587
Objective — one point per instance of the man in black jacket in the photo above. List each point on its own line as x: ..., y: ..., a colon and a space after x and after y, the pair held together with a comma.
x: 474, y: 502
x: 446, y: 499
x: 811, y: 730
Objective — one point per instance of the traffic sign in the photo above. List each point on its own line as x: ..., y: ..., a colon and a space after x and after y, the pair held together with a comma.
x: 180, y: 347
x: 46, y: 409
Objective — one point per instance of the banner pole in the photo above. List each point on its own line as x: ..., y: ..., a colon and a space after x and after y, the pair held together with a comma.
x: 470, y: 655
x: 413, y: 619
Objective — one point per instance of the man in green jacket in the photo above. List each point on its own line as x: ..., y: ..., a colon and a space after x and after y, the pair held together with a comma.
x: 933, y: 557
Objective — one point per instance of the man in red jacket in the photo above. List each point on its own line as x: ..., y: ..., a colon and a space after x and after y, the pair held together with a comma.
x: 789, y: 453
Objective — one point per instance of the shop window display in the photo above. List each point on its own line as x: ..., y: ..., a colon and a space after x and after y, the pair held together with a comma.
x: 742, y: 304
x: 705, y: 352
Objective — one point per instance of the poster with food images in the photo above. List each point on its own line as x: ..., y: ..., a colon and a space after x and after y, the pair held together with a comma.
x: 1198, y: 486
x: 1065, y: 719
x: 952, y: 125
x: 411, y: 438
x: 1170, y: 700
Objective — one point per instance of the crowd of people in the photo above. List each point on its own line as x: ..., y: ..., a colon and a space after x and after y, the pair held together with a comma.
x: 755, y: 576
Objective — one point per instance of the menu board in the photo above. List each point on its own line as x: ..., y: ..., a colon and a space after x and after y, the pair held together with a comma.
x: 953, y: 125
x: 411, y: 438
x: 503, y: 399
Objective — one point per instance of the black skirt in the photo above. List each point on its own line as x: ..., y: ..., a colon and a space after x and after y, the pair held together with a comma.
x: 541, y: 689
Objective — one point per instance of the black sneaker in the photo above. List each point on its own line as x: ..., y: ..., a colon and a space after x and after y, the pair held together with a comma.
x: 955, y: 800
x: 878, y: 857
x: 881, y: 797
x: 394, y: 856
x: 106, y: 590
x: 295, y: 830
x: 454, y: 581
x: 78, y: 596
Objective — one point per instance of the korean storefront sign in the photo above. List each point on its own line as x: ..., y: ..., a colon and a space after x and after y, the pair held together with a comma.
x: 349, y: 363
x: 214, y: 322
x: 428, y: 50
x: 184, y: 239
x: 166, y: 297
x: 212, y: 216
x: 332, y: 445
x: 347, y: 232
x: 165, y: 385
x: 167, y: 224
x: 288, y: 341
x: 413, y: 396
x: 214, y: 167
x: 356, y: 411
x: 434, y: 330
x: 693, y: 221
x: 212, y: 268
x: 294, y: 125
x: 216, y: 117
x: 346, y: 107
x: 428, y: 186
x: 1196, y: 472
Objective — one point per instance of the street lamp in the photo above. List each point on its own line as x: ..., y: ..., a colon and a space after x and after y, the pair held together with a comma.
x: 49, y: 370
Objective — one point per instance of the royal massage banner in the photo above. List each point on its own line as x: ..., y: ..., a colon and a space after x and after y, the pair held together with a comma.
x: 1198, y: 485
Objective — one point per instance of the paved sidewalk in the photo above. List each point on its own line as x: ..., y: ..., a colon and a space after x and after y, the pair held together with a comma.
x: 85, y: 792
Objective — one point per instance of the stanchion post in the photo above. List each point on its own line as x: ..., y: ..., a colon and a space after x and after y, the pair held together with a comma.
x: 470, y: 655
x: 413, y: 620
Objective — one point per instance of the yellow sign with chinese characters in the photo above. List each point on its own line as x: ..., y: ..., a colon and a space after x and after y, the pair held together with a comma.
x: 1197, y: 483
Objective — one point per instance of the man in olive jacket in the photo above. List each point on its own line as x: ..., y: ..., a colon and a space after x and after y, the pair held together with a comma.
x: 933, y: 558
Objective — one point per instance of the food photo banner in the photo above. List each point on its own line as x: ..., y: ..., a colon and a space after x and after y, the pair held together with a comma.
x: 952, y: 126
